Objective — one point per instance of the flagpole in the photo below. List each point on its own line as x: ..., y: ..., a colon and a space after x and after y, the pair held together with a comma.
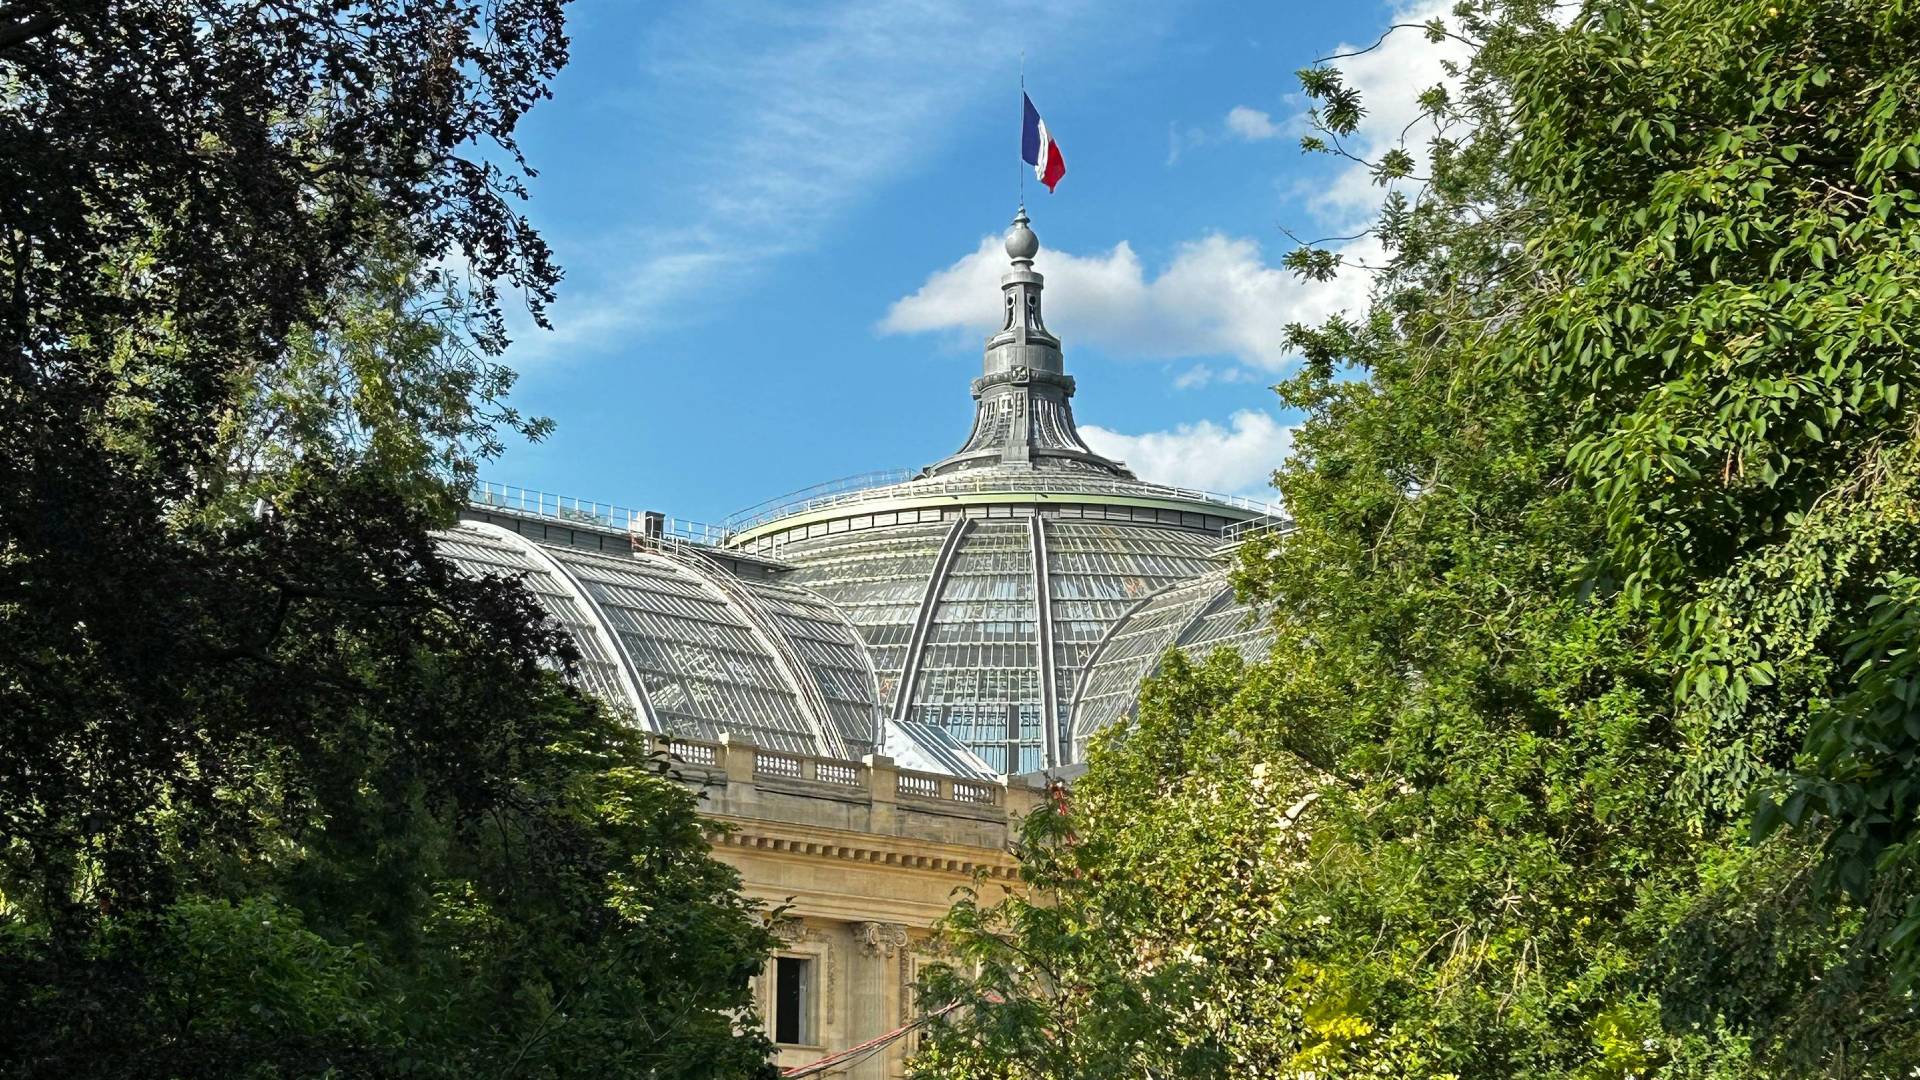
x: 1018, y: 159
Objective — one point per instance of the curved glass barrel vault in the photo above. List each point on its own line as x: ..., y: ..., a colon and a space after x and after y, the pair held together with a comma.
x: 1098, y: 573
x: 703, y: 652
x: 878, y: 581
x: 1198, y: 616
x: 481, y: 550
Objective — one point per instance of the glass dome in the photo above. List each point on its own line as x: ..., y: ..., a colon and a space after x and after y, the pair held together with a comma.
x: 982, y: 596
x: 1003, y: 602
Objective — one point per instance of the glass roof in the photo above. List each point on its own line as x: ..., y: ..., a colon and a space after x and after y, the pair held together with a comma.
x: 878, y: 581
x: 706, y: 652
x: 480, y: 550
x: 979, y: 670
x: 1198, y: 615
x: 1099, y: 572
x: 930, y: 748
x: 830, y: 648
x: 964, y: 627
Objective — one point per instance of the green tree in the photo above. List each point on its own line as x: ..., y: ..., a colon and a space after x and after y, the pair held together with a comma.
x: 284, y: 794
x: 1604, y: 534
x: 388, y: 373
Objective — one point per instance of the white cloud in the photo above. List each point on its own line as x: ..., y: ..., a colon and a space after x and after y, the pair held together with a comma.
x: 770, y: 114
x: 1218, y: 297
x: 1195, y: 376
x: 1200, y: 375
x: 1180, y: 140
x: 1238, y: 459
x: 1252, y: 124
x: 1242, y: 122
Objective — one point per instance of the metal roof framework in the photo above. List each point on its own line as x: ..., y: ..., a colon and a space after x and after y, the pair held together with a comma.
x: 1197, y: 616
x: 691, y: 650
x: 983, y: 625
x: 1010, y: 596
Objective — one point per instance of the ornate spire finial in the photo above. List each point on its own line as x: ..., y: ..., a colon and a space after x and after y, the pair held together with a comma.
x: 1022, y: 416
x: 1022, y: 245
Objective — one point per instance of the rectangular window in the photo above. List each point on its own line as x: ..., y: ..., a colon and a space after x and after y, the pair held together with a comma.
x: 792, y: 999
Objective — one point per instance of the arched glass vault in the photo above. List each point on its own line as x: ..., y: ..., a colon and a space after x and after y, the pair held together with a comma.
x: 1197, y: 616
x: 982, y: 622
x: 1013, y: 631
x: 688, y: 649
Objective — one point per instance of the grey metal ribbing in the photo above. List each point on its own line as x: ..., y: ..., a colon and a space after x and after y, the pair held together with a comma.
x: 1092, y: 661
x: 1043, y: 609
x: 910, y: 672
x: 602, y: 626
x: 1211, y: 607
x: 793, y: 671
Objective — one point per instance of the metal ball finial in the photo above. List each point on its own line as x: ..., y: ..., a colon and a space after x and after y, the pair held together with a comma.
x: 1022, y: 245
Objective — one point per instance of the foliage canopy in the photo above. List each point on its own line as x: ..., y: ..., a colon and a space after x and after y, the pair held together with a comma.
x: 283, y: 794
x: 1602, y: 571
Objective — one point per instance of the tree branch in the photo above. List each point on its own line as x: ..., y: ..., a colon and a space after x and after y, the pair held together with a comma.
x: 1469, y: 42
x: 24, y: 27
x: 1291, y: 235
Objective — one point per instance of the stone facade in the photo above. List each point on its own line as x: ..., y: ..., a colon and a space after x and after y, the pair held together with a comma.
x: 859, y: 859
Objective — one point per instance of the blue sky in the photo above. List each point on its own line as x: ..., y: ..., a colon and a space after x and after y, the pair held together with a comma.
x: 779, y: 225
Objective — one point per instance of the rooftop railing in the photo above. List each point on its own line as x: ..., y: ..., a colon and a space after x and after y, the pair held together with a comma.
x: 848, y: 491
x: 777, y: 506
x: 885, y: 485
x: 1252, y: 527
x: 544, y: 504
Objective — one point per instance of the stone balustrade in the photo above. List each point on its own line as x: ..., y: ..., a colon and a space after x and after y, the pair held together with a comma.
x: 873, y: 796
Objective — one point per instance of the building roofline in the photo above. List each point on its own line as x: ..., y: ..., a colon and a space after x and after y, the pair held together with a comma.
x: 960, y: 491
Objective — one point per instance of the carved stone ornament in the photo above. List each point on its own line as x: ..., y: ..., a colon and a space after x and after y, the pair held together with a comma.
x: 880, y: 938
x: 792, y: 932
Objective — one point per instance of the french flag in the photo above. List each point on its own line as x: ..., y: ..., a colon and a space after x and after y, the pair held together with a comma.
x: 1038, y: 149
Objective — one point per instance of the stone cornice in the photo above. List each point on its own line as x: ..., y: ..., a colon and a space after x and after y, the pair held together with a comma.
x: 900, y: 852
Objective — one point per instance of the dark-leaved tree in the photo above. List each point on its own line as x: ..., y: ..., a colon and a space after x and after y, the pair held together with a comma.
x: 280, y: 793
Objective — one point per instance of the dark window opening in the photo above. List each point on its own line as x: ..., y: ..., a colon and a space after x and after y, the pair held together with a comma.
x: 790, y: 977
